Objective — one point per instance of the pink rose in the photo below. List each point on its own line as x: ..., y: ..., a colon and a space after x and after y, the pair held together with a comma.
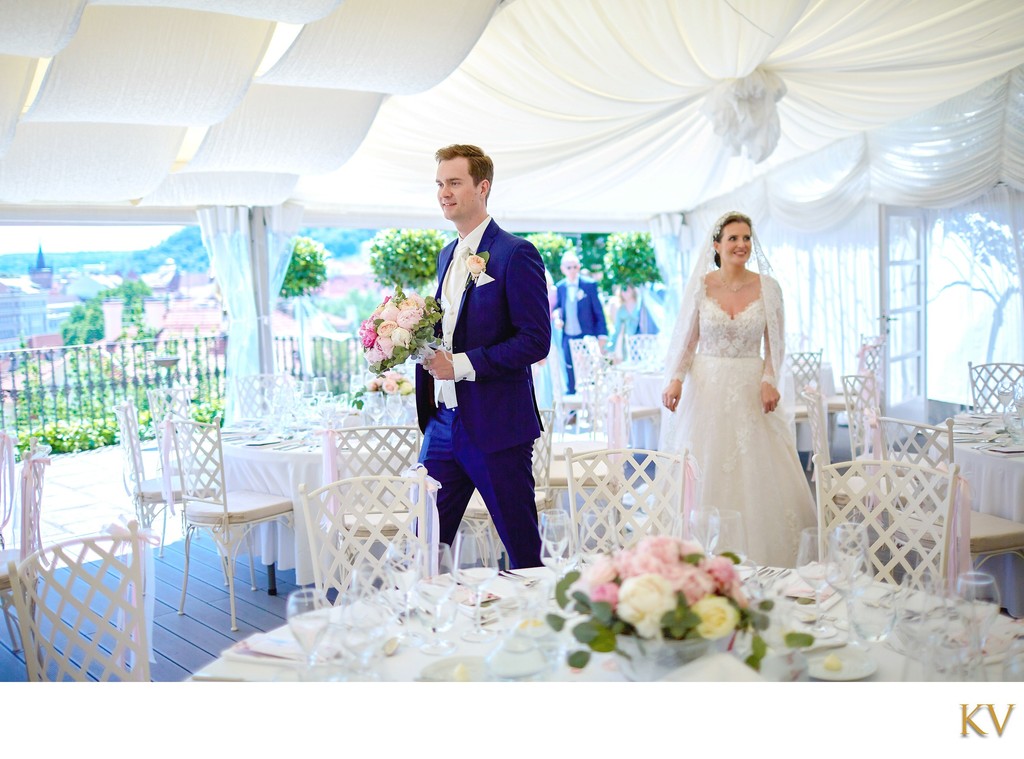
x: 390, y: 313
x: 692, y: 583
x: 409, y: 318
x: 392, y: 374
x: 373, y: 385
x: 600, y: 572
x: 367, y: 334
x: 722, y: 571
x: 417, y: 299
x: 390, y: 386
x: 407, y: 304
x: 476, y: 265
x: 386, y: 327
x: 374, y: 355
x: 387, y: 346
x: 607, y: 592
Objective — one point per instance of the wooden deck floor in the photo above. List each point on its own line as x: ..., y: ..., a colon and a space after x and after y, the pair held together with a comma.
x: 184, y: 644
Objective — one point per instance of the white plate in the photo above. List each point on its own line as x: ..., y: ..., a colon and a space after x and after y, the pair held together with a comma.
x: 452, y: 669
x: 855, y: 667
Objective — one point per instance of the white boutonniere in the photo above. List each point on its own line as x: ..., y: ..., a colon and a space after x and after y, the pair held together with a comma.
x: 580, y: 295
x: 477, y: 265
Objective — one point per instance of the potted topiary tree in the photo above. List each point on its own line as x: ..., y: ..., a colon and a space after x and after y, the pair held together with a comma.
x: 406, y: 258
x: 629, y: 261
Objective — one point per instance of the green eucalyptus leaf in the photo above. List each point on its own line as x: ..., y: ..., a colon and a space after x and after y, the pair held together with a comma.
x: 578, y: 659
x: 555, y: 622
x: 799, y: 640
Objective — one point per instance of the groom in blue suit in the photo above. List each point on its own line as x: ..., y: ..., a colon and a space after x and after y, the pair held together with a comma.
x: 475, y: 399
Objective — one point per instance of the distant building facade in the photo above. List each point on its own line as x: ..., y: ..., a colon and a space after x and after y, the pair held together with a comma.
x: 22, y: 311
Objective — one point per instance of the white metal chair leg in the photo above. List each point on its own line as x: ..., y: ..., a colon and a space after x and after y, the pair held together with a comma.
x: 252, y: 565
x: 184, y: 580
x: 12, y: 626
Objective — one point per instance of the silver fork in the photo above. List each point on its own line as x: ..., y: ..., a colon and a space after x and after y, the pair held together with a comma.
x: 528, y: 582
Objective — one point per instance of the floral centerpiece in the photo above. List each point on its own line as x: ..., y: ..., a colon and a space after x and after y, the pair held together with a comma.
x: 400, y: 327
x: 391, y: 383
x: 663, y: 589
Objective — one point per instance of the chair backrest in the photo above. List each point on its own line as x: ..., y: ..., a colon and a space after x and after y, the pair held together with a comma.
x: 542, y: 450
x: 173, y: 401
x: 642, y: 349
x: 817, y: 420
x: 361, y: 451
x: 254, y: 394
x: 916, y: 442
x: 583, y: 360
x: 872, y: 351
x: 200, y: 462
x: 134, y: 472
x: 907, y: 510
x: 985, y: 380
x: 8, y: 480
x: 33, y: 469
x: 618, y: 496
x: 860, y: 392
x: 352, y: 521
x: 806, y: 368
x: 80, y: 610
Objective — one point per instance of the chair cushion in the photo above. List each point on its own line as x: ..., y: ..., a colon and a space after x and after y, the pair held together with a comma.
x: 644, y: 412
x: 153, y: 490
x: 243, y: 506
x: 990, y: 534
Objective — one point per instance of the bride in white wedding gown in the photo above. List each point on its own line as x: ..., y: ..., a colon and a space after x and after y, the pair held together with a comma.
x: 723, y: 392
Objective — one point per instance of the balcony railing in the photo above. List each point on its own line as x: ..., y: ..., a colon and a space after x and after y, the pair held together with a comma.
x: 44, y: 392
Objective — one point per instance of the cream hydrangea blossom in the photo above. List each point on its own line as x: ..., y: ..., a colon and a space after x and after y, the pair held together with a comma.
x: 643, y: 601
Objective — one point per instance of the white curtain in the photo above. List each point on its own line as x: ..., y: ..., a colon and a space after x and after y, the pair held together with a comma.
x: 249, y: 252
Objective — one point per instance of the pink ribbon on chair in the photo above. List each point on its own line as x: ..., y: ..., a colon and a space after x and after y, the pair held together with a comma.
x: 166, y: 432
x: 873, y: 447
x: 330, y: 464
x: 959, y: 559
x: 145, y: 540
x: 862, y: 359
x: 691, y: 475
x: 616, y: 422
x: 432, y: 528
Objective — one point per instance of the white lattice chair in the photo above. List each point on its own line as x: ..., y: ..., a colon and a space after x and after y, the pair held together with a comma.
x: 862, y: 405
x: 8, y: 483
x: 169, y: 401
x: 30, y: 500
x: 985, y: 379
x: 906, y: 508
x: 351, y: 522
x: 80, y: 610
x: 806, y: 368
x: 370, y: 450
x: 932, y: 445
x: 817, y: 420
x: 147, y: 493
x: 229, y: 516
x: 642, y: 350
x: 254, y: 394
x: 618, y: 496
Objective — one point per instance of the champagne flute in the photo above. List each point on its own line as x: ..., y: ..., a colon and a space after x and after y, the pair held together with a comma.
x: 555, y: 540
x: 475, y: 562
x: 811, y: 569
x: 308, y: 613
x: 435, y: 593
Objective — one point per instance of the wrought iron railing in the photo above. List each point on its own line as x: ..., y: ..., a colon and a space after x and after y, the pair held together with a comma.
x: 54, y: 393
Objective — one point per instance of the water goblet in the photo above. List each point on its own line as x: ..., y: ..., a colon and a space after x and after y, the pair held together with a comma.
x: 373, y: 407
x: 979, y: 602
x: 874, y: 612
x: 703, y: 527
x: 475, y: 562
x: 308, y: 613
x: 363, y: 617
x: 1005, y: 392
x: 812, y: 570
x: 320, y: 389
x: 847, y: 568
x: 435, y: 593
x: 555, y: 540
x: 394, y: 407
x: 403, y: 563
x: 731, y: 536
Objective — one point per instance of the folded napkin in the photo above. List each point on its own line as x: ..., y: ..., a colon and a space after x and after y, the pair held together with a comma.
x: 1009, y: 449
x: 276, y: 645
x: 797, y: 588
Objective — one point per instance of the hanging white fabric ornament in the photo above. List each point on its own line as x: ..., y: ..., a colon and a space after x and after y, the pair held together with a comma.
x: 743, y: 113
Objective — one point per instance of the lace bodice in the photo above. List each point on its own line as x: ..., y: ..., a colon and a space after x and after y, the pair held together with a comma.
x: 726, y: 337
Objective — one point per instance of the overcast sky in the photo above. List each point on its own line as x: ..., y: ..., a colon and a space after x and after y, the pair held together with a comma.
x: 61, y: 239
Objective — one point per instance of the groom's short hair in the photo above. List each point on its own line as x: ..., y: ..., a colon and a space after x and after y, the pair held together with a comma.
x: 480, y: 164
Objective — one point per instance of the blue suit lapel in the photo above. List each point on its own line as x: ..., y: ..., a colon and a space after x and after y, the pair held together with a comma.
x: 485, y: 244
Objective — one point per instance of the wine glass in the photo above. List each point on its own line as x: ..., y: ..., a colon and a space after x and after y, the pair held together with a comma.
x: 811, y: 569
x: 1005, y: 393
x: 320, y: 389
x: 555, y: 540
x: 395, y: 408
x: 435, y: 592
x: 847, y: 568
x: 731, y: 536
x: 403, y: 562
x: 363, y: 618
x: 308, y: 613
x: 475, y: 562
x: 703, y: 526
x: 979, y: 602
x: 873, y: 613
x: 373, y: 406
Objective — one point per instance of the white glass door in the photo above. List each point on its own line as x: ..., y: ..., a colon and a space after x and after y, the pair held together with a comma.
x: 902, y: 316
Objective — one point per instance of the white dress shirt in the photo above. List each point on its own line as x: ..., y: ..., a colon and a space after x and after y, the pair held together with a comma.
x: 452, y: 291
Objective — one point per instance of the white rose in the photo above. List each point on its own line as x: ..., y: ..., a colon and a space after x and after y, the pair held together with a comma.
x: 643, y: 601
x: 718, y: 617
x: 401, y: 337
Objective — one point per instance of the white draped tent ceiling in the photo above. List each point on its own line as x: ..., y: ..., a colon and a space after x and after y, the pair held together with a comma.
x: 600, y: 114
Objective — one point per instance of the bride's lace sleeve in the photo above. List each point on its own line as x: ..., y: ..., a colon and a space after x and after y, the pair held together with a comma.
x: 689, y: 348
x: 774, y: 344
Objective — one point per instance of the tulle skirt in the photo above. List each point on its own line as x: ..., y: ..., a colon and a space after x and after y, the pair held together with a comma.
x: 748, y: 459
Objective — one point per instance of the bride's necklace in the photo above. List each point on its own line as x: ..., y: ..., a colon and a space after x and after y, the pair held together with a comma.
x: 732, y: 288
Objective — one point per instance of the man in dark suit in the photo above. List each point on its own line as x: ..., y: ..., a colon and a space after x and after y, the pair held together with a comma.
x: 475, y: 399
x: 580, y: 312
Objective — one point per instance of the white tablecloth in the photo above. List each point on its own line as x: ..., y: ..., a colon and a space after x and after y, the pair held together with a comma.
x: 997, y: 487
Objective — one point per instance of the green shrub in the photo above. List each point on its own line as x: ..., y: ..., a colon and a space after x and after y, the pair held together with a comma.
x: 629, y: 260
x: 406, y: 258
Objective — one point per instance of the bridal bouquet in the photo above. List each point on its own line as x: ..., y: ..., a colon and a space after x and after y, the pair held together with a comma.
x: 400, y: 327
x: 662, y: 589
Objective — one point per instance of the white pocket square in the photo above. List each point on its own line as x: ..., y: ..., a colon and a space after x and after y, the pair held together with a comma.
x: 483, y: 279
